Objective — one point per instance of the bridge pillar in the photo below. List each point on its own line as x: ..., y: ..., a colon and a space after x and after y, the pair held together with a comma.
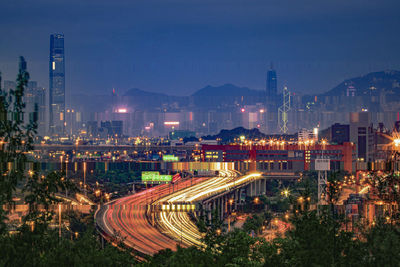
x: 236, y: 197
x: 263, y: 187
x: 257, y: 187
x: 209, y: 211
x: 221, y: 208
x: 102, y: 241
x: 248, y: 189
x: 225, y: 199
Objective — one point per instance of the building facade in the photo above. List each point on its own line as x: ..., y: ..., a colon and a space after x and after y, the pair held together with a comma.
x: 281, y: 157
x: 57, y: 85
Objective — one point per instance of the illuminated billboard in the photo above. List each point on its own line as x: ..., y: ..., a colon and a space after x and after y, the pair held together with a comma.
x: 171, y: 123
x: 170, y: 158
x: 155, y: 177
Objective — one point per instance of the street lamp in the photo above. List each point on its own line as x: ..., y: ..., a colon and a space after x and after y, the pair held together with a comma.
x: 256, y: 200
x: 285, y: 192
x: 230, y: 213
x: 301, y: 200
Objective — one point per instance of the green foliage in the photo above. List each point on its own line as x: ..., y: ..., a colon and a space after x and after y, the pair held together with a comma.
x: 382, y: 246
x: 279, y: 204
x: 115, y: 176
x: 16, y: 139
x: 333, y: 189
x: 309, y: 184
x: 253, y: 223
x: 184, y: 257
x: 315, y: 240
x: 35, y: 243
x: 42, y: 247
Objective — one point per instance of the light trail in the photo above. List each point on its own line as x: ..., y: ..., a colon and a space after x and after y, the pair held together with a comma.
x: 178, y: 224
x: 126, y: 219
x: 218, y: 189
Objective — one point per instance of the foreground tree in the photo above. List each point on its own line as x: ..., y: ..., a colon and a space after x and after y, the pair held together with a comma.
x: 35, y: 243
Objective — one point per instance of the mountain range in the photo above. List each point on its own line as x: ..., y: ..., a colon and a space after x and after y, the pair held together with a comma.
x: 370, y: 84
x: 224, y: 96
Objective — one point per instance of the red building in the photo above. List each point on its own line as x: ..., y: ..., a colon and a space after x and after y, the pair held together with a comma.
x: 279, y: 156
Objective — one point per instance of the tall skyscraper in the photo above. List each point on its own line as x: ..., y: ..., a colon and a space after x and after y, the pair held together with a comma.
x: 57, y: 84
x: 272, y: 85
x: 272, y: 101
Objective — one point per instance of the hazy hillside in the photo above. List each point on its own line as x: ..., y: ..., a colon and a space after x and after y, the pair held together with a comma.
x: 370, y: 84
x: 226, y: 95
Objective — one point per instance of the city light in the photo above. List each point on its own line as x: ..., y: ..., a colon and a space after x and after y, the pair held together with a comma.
x: 285, y: 192
x: 171, y: 122
x: 396, y: 142
x: 122, y: 110
x: 178, y: 152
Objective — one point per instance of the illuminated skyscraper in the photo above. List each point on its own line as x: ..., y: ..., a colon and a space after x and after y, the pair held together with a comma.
x: 57, y: 84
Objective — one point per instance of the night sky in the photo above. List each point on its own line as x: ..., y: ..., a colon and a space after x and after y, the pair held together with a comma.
x: 180, y: 46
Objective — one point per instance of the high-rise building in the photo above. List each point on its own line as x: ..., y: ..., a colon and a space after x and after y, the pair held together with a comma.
x: 34, y: 99
x: 362, y: 134
x: 272, y: 101
x: 272, y: 85
x: 57, y: 84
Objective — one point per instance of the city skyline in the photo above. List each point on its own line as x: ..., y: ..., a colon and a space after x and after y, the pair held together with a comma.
x: 313, y: 47
x: 200, y: 133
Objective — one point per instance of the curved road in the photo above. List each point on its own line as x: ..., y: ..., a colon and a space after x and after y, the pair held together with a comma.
x: 178, y: 225
x: 125, y: 219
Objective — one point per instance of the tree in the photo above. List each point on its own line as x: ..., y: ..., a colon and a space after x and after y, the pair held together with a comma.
x: 253, y: 223
x: 35, y: 243
x: 15, y: 140
x: 382, y: 245
x: 315, y: 241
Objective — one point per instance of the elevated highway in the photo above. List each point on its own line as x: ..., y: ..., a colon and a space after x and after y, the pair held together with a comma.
x: 125, y: 220
x: 159, y: 218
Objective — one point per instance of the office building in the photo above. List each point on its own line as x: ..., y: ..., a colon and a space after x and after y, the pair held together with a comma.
x: 337, y: 134
x: 272, y: 101
x: 57, y: 84
x: 35, y: 101
x: 272, y: 85
x: 362, y: 134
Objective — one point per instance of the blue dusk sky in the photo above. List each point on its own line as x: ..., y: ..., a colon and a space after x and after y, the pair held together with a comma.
x: 179, y: 46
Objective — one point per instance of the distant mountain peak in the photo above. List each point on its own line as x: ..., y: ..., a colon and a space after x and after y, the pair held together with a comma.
x: 369, y: 84
x: 225, y: 89
x: 140, y: 92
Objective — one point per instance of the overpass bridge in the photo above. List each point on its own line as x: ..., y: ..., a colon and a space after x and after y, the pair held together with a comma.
x: 45, y: 148
x: 221, y: 194
x: 161, y: 217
